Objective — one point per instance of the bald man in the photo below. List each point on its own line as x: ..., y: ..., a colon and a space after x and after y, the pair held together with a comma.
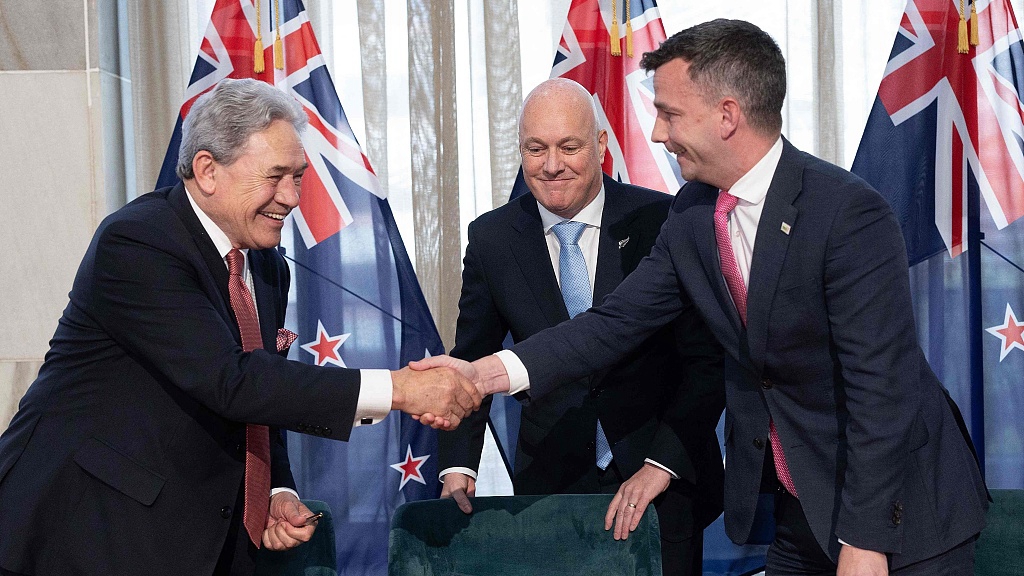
x: 542, y: 259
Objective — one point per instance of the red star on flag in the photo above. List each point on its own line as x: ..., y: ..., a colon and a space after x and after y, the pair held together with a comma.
x: 410, y: 468
x: 325, y: 347
x: 1010, y: 332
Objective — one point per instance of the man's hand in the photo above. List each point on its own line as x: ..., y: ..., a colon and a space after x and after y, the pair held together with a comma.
x: 440, y: 397
x: 855, y: 561
x: 460, y: 487
x: 286, y: 523
x: 488, y: 373
x: 629, y: 503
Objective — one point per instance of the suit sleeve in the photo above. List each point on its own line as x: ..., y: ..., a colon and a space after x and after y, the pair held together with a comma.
x: 649, y: 298
x: 147, y: 293
x: 480, y: 330
x: 280, y: 466
x: 870, y: 314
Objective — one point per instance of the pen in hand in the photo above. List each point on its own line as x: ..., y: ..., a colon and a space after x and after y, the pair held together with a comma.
x: 312, y: 519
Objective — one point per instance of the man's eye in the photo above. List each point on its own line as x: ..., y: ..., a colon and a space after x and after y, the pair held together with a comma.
x: 570, y: 149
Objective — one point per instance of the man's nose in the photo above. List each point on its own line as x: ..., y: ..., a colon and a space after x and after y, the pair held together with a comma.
x: 553, y: 162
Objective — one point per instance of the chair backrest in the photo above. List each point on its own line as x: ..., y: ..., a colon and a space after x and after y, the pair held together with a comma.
x: 314, y: 558
x: 1000, y: 548
x: 519, y: 535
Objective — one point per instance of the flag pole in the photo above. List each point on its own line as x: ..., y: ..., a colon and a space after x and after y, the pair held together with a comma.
x: 974, y: 321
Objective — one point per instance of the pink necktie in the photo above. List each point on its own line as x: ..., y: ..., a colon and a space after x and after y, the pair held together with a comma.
x: 257, y: 437
x: 734, y: 281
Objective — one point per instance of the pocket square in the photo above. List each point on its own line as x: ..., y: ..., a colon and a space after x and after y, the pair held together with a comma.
x: 285, y: 337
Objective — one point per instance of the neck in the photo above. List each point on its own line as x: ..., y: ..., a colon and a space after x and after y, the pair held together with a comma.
x: 744, y: 155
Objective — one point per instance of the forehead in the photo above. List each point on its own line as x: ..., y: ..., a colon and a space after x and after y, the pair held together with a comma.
x: 278, y: 143
x: 556, y: 117
x: 672, y: 82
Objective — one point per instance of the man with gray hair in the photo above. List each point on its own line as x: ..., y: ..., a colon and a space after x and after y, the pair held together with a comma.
x: 149, y: 442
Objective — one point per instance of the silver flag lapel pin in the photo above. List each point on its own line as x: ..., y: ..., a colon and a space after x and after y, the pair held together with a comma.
x: 623, y: 242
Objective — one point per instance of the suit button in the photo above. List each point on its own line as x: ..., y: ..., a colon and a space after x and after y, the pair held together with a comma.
x: 327, y: 431
x: 767, y: 383
x: 590, y: 446
x: 595, y: 393
x: 896, y: 518
x: 240, y: 448
x: 301, y: 427
x: 758, y: 443
x: 225, y: 512
x: 899, y: 506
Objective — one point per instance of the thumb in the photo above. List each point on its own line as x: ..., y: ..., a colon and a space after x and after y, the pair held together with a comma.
x: 432, y: 362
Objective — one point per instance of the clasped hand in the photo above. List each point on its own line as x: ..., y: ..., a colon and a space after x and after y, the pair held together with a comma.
x: 439, y: 397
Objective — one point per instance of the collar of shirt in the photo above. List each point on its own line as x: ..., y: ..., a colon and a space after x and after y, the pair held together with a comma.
x: 589, y: 215
x: 219, y: 238
x: 752, y: 187
x: 751, y: 190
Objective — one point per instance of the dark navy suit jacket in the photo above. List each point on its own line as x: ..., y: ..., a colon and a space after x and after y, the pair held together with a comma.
x: 662, y: 401
x: 829, y: 352
x: 127, y: 453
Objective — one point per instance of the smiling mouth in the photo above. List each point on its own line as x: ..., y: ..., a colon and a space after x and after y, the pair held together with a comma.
x: 274, y: 216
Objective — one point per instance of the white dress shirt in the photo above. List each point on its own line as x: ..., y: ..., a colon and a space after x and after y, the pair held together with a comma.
x: 374, y: 402
x: 751, y: 190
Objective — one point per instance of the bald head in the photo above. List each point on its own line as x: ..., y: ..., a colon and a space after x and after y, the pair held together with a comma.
x: 561, y: 146
x: 567, y: 95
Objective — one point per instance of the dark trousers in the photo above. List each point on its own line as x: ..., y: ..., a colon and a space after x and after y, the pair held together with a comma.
x: 795, y: 552
x: 238, y: 557
x: 678, y: 558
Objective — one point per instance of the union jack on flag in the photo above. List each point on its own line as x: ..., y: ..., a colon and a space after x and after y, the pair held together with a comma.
x: 357, y: 301
x: 623, y: 92
x: 944, y: 122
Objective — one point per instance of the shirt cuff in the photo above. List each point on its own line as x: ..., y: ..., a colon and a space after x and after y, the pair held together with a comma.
x: 274, y: 491
x: 518, y: 378
x: 663, y: 467
x: 456, y: 469
x: 374, y: 402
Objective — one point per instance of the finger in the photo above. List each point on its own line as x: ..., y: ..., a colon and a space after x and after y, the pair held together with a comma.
x: 426, y: 418
x: 462, y: 500
x: 415, y: 417
x: 430, y: 362
x: 624, y: 517
x: 299, y: 534
x: 637, y: 515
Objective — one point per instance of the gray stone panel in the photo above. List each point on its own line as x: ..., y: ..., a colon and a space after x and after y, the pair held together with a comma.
x: 46, y: 35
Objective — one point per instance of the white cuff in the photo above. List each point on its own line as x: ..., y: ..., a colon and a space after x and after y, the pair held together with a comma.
x: 274, y: 491
x: 458, y: 470
x: 374, y: 404
x: 663, y: 467
x: 518, y: 378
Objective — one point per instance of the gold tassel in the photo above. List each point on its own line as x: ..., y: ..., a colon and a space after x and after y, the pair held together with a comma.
x: 961, y: 45
x: 278, y: 46
x: 629, y: 31
x: 257, y: 56
x: 614, y: 33
x: 974, y: 23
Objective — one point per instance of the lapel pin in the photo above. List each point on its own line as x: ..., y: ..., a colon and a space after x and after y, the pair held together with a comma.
x: 786, y: 228
x: 623, y: 242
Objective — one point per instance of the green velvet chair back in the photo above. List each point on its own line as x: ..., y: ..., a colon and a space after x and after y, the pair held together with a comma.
x: 519, y: 536
x: 1000, y: 548
x: 314, y: 558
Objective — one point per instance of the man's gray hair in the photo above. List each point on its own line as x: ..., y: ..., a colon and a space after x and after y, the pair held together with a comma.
x: 222, y: 120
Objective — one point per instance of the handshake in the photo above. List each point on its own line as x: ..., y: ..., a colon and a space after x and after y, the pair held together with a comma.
x: 440, y: 391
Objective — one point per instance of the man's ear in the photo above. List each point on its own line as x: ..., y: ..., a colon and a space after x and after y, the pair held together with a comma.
x: 204, y: 167
x: 731, y: 113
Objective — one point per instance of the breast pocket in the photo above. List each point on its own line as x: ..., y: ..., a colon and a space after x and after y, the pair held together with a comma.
x: 119, y: 471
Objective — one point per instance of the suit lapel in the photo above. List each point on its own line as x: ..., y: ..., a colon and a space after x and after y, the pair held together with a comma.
x: 266, y: 303
x: 214, y: 262
x: 531, y: 253
x: 770, y: 247
x: 617, y: 242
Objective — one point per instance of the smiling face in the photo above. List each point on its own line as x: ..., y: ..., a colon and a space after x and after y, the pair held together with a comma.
x: 561, y: 148
x: 250, y: 198
x: 687, y: 124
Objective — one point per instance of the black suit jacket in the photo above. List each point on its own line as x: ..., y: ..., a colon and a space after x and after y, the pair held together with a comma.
x: 509, y: 285
x: 829, y: 352
x: 127, y: 453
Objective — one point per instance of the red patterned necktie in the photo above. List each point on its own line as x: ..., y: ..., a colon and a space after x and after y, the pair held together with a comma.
x: 734, y: 280
x: 257, y: 437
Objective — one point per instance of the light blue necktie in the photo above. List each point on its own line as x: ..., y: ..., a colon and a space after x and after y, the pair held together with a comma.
x: 578, y: 296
